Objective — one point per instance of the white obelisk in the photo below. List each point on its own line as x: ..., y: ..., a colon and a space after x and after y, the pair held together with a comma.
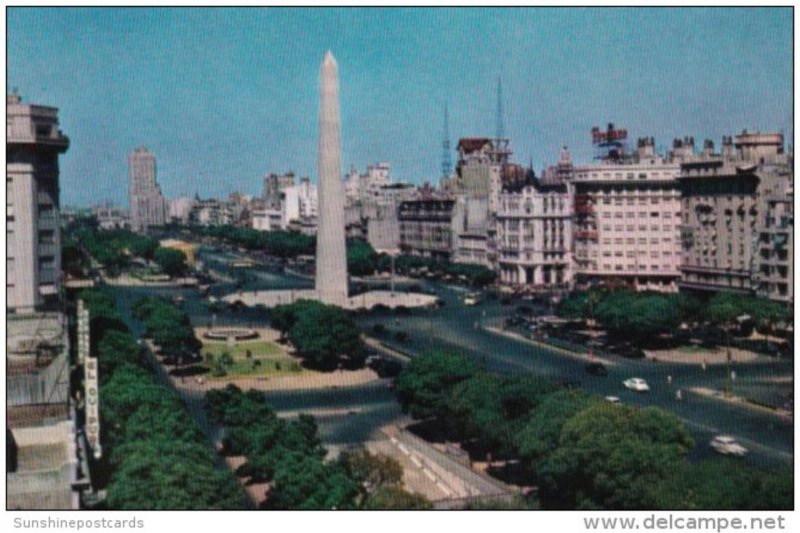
x: 331, y: 279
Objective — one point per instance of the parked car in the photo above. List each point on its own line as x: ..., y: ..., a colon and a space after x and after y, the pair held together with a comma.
x: 636, y: 384
x: 613, y: 399
x: 596, y: 369
x: 727, y: 445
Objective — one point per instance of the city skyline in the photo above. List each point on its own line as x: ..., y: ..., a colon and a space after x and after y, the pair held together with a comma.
x: 223, y: 99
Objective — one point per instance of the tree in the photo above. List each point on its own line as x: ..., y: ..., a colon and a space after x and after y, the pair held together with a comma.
x: 722, y: 310
x: 372, y: 472
x: 424, y: 384
x: 539, y: 435
x: 362, y: 259
x: 395, y: 498
x: 172, y: 262
x: 322, y: 334
x: 170, y: 475
x: 144, y: 247
x: 609, y: 457
x: 724, y: 484
x: 308, y: 483
x: 640, y: 315
x: 115, y: 349
x: 475, y: 411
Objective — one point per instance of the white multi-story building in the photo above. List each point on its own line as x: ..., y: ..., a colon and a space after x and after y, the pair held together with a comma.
x: 110, y: 217
x: 362, y: 187
x: 627, y: 219
x: 180, y: 209
x: 33, y: 235
x: 294, y: 203
x: 534, y: 230
x: 147, y: 205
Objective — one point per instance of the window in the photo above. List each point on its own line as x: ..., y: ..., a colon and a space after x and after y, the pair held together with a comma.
x: 47, y: 262
x: 47, y: 236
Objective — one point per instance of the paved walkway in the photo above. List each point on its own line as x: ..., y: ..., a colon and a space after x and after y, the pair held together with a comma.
x: 367, y: 300
x: 305, y: 381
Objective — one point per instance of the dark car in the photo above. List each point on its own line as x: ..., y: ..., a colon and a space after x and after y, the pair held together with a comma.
x: 385, y: 367
x: 597, y: 369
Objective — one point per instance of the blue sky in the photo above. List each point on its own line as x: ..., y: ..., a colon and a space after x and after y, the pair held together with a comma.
x: 224, y: 96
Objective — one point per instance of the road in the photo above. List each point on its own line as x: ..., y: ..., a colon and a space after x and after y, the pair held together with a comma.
x: 457, y: 327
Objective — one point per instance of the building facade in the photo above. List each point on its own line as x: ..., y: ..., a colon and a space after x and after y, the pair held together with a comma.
x: 33, y: 234
x: 534, y: 230
x: 426, y: 227
x: 774, y: 264
x: 147, y: 205
x: 735, y: 221
x: 627, y: 218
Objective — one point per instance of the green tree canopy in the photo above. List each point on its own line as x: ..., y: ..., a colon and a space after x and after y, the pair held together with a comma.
x: 610, y: 456
x: 424, y: 384
x: 172, y: 262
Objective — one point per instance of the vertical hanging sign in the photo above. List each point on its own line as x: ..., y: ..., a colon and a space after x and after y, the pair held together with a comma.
x: 83, y: 332
x: 90, y: 376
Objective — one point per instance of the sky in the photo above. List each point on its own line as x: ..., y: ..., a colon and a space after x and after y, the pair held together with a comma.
x: 223, y: 97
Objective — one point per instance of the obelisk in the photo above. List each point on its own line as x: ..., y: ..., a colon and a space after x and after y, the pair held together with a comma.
x: 331, y: 278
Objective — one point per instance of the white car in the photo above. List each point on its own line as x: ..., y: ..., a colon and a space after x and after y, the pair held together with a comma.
x: 727, y: 445
x: 613, y: 399
x: 636, y: 384
x: 472, y: 299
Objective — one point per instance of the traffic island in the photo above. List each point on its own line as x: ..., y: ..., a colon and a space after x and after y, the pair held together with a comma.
x: 716, y: 394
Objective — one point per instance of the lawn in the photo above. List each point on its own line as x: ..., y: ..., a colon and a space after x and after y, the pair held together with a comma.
x: 266, y: 359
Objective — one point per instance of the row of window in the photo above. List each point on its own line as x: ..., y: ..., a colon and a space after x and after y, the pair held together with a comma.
x: 642, y: 214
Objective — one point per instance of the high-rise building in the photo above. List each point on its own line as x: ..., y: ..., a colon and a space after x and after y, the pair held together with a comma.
x: 729, y: 201
x: 33, y: 257
x: 41, y: 470
x: 627, y: 215
x: 147, y: 205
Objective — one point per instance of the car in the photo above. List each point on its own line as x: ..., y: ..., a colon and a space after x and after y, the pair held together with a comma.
x: 571, y: 384
x: 636, y: 384
x: 613, y: 399
x: 385, y: 367
x: 727, y: 445
x: 596, y: 369
x: 472, y: 299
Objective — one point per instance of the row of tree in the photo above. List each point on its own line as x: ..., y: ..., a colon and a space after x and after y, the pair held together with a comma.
x: 475, y: 275
x: 115, y: 249
x: 278, y: 243
x: 169, y: 327
x: 581, y: 451
x: 289, y: 456
x: 155, y: 455
x: 645, y: 314
x: 324, y: 336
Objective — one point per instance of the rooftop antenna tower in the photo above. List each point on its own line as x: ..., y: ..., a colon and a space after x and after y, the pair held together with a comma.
x: 446, y: 162
x: 501, y: 133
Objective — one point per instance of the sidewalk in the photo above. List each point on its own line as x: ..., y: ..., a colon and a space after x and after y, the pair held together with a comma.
x: 575, y: 355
